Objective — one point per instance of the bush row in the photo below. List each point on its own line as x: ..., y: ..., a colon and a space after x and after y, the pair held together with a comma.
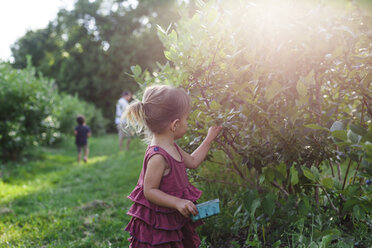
x: 33, y: 112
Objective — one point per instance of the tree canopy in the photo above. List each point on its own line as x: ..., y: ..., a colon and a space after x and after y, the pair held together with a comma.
x: 89, y: 49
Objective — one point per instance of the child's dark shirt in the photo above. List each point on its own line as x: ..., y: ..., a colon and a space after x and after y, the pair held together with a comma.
x: 82, y: 135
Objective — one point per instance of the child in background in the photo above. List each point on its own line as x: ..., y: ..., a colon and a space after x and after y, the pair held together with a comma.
x: 82, y: 132
x: 163, y: 198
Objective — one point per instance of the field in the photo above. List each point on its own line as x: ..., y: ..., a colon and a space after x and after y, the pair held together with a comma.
x: 51, y: 201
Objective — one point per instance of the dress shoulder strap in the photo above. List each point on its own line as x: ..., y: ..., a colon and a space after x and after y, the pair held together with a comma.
x: 152, y: 150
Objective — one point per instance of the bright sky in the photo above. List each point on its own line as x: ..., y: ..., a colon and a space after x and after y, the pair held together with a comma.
x: 18, y: 16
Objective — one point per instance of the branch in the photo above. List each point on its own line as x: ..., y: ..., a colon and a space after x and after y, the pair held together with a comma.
x: 232, y: 145
x: 360, y: 160
x: 226, y: 150
x: 347, y: 172
x: 203, y: 95
x: 311, y: 111
x: 276, y: 185
x: 219, y: 181
x: 368, y: 108
x: 331, y: 165
x: 329, y: 199
x: 362, y: 115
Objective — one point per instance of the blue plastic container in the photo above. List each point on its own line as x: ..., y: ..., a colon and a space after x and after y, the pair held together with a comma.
x: 207, y: 209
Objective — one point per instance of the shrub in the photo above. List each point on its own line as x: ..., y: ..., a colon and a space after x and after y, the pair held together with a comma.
x: 26, y: 111
x: 33, y: 113
x: 293, y: 90
x: 69, y: 107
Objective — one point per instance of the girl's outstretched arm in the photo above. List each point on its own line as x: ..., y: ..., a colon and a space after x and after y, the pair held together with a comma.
x: 194, y: 160
x: 154, y: 173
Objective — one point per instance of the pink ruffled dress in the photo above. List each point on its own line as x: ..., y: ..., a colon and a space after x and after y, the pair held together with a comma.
x: 160, y: 227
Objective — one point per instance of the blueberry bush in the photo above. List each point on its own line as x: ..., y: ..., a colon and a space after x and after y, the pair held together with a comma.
x: 292, y: 87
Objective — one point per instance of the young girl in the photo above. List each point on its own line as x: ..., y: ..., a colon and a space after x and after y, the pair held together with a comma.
x: 163, y: 198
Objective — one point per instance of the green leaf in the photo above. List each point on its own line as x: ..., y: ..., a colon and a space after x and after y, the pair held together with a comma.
x: 327, y: 182
x: 316, y: 127
x: 279, y: 174
x: 308, y: 173
x: 368, y: 136
x: 268, y: 204
x: 304, y: 206
x: 269, y: 173
x: 277, y: 244
x: 168, y: 55
x: 136, y: 70
x: 358, y: 129
x: 255, y: 204
x: 282, y: 168
x: 238, y: 210
x: 315, y: 172
x: 313, y: 245
x: 337, y: 125
x: 354, y: 156
x: 173, y: 36
x: 358, y: 213
x: 337, y: 184
x: 326, y: 241
x: 349, y: 204
x: 368, y: 146
x: 301, y: 88
x: 340, y: 134
x: 354, y: 138
x: 272, y: 90
x: 294, y: 175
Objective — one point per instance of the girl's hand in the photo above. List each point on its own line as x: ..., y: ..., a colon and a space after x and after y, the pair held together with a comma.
x: 213, y: 132
x: 186, y: 207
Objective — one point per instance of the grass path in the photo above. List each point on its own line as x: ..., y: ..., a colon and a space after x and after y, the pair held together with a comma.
x: 52, y: 201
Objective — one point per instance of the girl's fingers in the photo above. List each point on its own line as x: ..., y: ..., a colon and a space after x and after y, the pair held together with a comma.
x: 188, y: 208
x: 185, y: 214
x: 193, y: 210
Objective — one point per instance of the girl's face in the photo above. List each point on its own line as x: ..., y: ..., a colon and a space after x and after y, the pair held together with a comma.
x: 182, y: 126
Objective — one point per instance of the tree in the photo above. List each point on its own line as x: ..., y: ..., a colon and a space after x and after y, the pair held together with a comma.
x: 89, y: 49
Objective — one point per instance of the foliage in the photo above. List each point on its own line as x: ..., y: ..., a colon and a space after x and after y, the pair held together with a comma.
x: 88, y: 50
x: 26, y: 106
x: 51, y: 197
x: 292, y: 87
x: 34, y: 113
x: 69, y: 107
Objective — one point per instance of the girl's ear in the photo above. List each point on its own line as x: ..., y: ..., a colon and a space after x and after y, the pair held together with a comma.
x: 174, y: 124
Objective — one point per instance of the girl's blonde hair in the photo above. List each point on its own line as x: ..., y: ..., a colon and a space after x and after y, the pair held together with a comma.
x: 160, y: 105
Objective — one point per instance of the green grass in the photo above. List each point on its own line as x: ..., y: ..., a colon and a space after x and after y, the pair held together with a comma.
x: 46, y: 195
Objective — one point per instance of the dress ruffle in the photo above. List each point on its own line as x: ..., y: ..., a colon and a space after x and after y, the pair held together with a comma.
x: 144, y: 236
x: 137, y: 244
x: 158, y: 220
x: 190, y: 193
x: 152, y: 225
